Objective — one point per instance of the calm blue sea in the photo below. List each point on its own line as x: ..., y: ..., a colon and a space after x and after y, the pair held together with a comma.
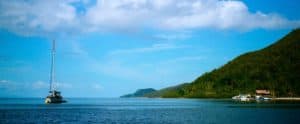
x: 146, y: 110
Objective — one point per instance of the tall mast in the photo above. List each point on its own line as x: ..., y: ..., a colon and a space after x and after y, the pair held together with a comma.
x: 52, y: 71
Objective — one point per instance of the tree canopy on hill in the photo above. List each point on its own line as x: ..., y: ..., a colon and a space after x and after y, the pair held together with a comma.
x: 276, y: 68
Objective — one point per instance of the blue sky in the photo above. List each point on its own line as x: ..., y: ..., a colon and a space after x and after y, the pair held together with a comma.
x: 107, y: 48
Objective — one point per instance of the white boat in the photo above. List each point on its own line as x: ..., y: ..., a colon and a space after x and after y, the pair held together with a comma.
x: 54, y: 95
x: 245, y: 98
x: 242, y: 97
x: 236, y: 97
x: 262, y: 98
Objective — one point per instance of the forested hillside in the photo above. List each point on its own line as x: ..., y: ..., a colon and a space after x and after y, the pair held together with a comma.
x: 276, y: 68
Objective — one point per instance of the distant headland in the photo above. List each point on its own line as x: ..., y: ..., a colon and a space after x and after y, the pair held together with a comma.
x: 139, y: 93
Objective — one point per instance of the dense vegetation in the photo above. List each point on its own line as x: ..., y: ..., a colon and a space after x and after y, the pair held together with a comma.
x: 276, y: 68
x: 139, y: 93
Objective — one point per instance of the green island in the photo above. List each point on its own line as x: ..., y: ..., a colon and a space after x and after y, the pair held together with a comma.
x: 275, y: 68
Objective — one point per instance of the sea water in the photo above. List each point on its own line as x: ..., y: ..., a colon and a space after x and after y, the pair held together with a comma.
x: 147, y: 110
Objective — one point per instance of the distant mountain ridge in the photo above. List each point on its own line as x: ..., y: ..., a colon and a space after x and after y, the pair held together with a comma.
x: 139, y: 93
x: 276, y: 68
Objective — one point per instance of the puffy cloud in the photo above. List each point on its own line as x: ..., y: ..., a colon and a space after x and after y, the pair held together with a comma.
x: 35, y: 17
x: 73, y: 16
x: 222, y: 15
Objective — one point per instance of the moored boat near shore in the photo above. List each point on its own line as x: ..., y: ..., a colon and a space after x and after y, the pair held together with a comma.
x: 242, y: 97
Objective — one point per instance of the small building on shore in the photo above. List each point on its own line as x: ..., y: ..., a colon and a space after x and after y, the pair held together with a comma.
x: 262, y: 92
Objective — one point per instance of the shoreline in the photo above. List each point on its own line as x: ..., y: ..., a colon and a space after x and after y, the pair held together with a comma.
x: 287, y: 98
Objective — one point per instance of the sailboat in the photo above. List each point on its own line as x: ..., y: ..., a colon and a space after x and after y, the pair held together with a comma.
x: 54, y: 95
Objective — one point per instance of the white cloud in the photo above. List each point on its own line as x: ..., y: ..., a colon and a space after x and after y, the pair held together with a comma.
x: 56, y: 16
x: 223, y: 15
x: 184, y: 14
x: 153, y: 48
x: 37, y: 16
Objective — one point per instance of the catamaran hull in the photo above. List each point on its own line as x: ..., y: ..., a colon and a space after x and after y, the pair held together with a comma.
x: 54, y: 100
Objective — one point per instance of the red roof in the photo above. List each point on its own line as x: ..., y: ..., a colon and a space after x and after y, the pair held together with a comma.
x: 265, y: 92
